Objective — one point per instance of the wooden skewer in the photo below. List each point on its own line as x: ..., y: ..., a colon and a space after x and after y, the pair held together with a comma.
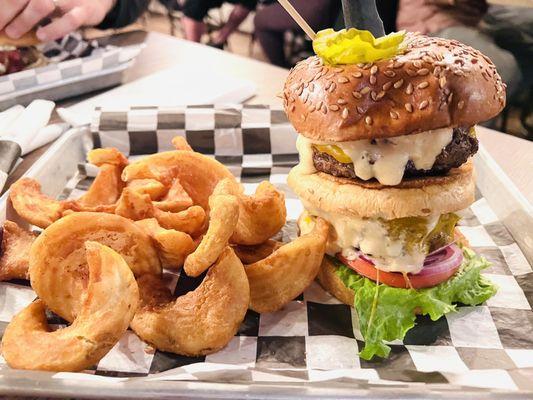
x: 298, y: 18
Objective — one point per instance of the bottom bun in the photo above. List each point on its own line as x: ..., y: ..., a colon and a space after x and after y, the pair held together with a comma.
x: 331, y: 282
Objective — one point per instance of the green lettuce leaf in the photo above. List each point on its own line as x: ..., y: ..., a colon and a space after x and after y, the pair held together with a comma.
x: 387, y: 313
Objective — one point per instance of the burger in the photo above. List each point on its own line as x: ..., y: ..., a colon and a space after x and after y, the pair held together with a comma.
x: 385, y: 157
x: 19, y: 54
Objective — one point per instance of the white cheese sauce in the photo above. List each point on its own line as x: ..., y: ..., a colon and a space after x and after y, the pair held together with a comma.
x: 305, y: 150
x: 385, y: 159
x: 371, y: 237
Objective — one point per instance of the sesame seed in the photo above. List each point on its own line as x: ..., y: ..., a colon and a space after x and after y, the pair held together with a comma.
x: 398, y: 64
x: 305, y: 97
x: 450, y: 98
x: 334, y: 107
x: 387, y: 86
x: 341, y: 101
x: 442, y: 81
x: 368, y: 120
x: 398, y: 84
x: 423, y: 105
x: 460, y: 105
x: 293, y: 107
x: 329, y: 76
x: 357, y: 95
x: 343, y: 79
x: 319, y: 105
x: 360, y: 65
x: 292, y: 99
x: 312, y: 108
x: 374, y: 70
x: 380, y: 95
x: 436, y: 71
x: 417, y: 64
x: 360, y: 110
x: 324, y: 109
x: 332, y: 87
x: 390, y: 73
x: 365, y: 90
x: 338, y: 69
x: 423, y: 85
x: 311, y: 87
x: 344, y: 113
x: 394, y: 115
x: 423, y: 71
x: 409, y: 88
x: 374, y: 95
x: 409, y: 107
x: 373, y: 79
x: 410, y: 72
x: 357, y: 74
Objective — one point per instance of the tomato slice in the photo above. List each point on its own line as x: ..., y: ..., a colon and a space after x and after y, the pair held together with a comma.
x: 396, y: 279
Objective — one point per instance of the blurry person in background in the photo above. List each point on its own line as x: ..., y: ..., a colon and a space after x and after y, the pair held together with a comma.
x: 272, y: 21
x: 196, y: 10
x: 20, y: 16
x: 503, y: 33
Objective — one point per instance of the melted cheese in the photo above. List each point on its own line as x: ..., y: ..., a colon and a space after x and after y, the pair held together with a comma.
x: 371, y: 237
x: 305, y: 150
x: 384, y: 159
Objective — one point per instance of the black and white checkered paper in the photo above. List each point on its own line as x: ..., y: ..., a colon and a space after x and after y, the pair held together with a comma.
x: 315, y: 338
x: 68, y: 58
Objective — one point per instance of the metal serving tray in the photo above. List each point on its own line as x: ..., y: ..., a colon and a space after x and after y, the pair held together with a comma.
x: 59, y: 164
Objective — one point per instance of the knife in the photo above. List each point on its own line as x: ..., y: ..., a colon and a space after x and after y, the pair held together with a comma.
x: 9, y: 154
x: 16, y: 138
x: 363, y: 14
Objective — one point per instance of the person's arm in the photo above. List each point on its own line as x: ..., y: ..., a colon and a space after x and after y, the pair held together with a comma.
x: 124, y: 13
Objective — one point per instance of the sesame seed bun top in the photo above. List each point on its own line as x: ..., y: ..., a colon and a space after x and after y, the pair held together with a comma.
x: 26, y: 40
x: 435, y: 83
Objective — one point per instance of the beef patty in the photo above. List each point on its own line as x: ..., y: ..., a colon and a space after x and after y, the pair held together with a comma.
x: 456, y: 153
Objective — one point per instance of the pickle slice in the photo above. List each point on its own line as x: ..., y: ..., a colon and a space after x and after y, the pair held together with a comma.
x: 356, y: 46
x: 414, y: 232
x: 334, y: 151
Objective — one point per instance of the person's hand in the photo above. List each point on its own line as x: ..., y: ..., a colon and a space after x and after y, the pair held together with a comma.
x: 20, y: 16
x: 466, y: 6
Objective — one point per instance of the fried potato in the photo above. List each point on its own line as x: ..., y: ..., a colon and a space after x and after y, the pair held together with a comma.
x: 151, y: 187
x: 177, y: 199
x: 15, y: 244
x: 180, y: 143
x: 106, y: 188
x: 58, y: 268
x: 288, y: 271
x: 191, y: 220
x: 134, y: 205
x: 146, y: 170
x: 261, y: 216
x: 32, y: 205
x: 252, y: 254
x: 222, y: 221
x: 173, y: 246
x: 105, y: 314
x: 108, y: 155
x: 198, y: 174
x: 202, y: 321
